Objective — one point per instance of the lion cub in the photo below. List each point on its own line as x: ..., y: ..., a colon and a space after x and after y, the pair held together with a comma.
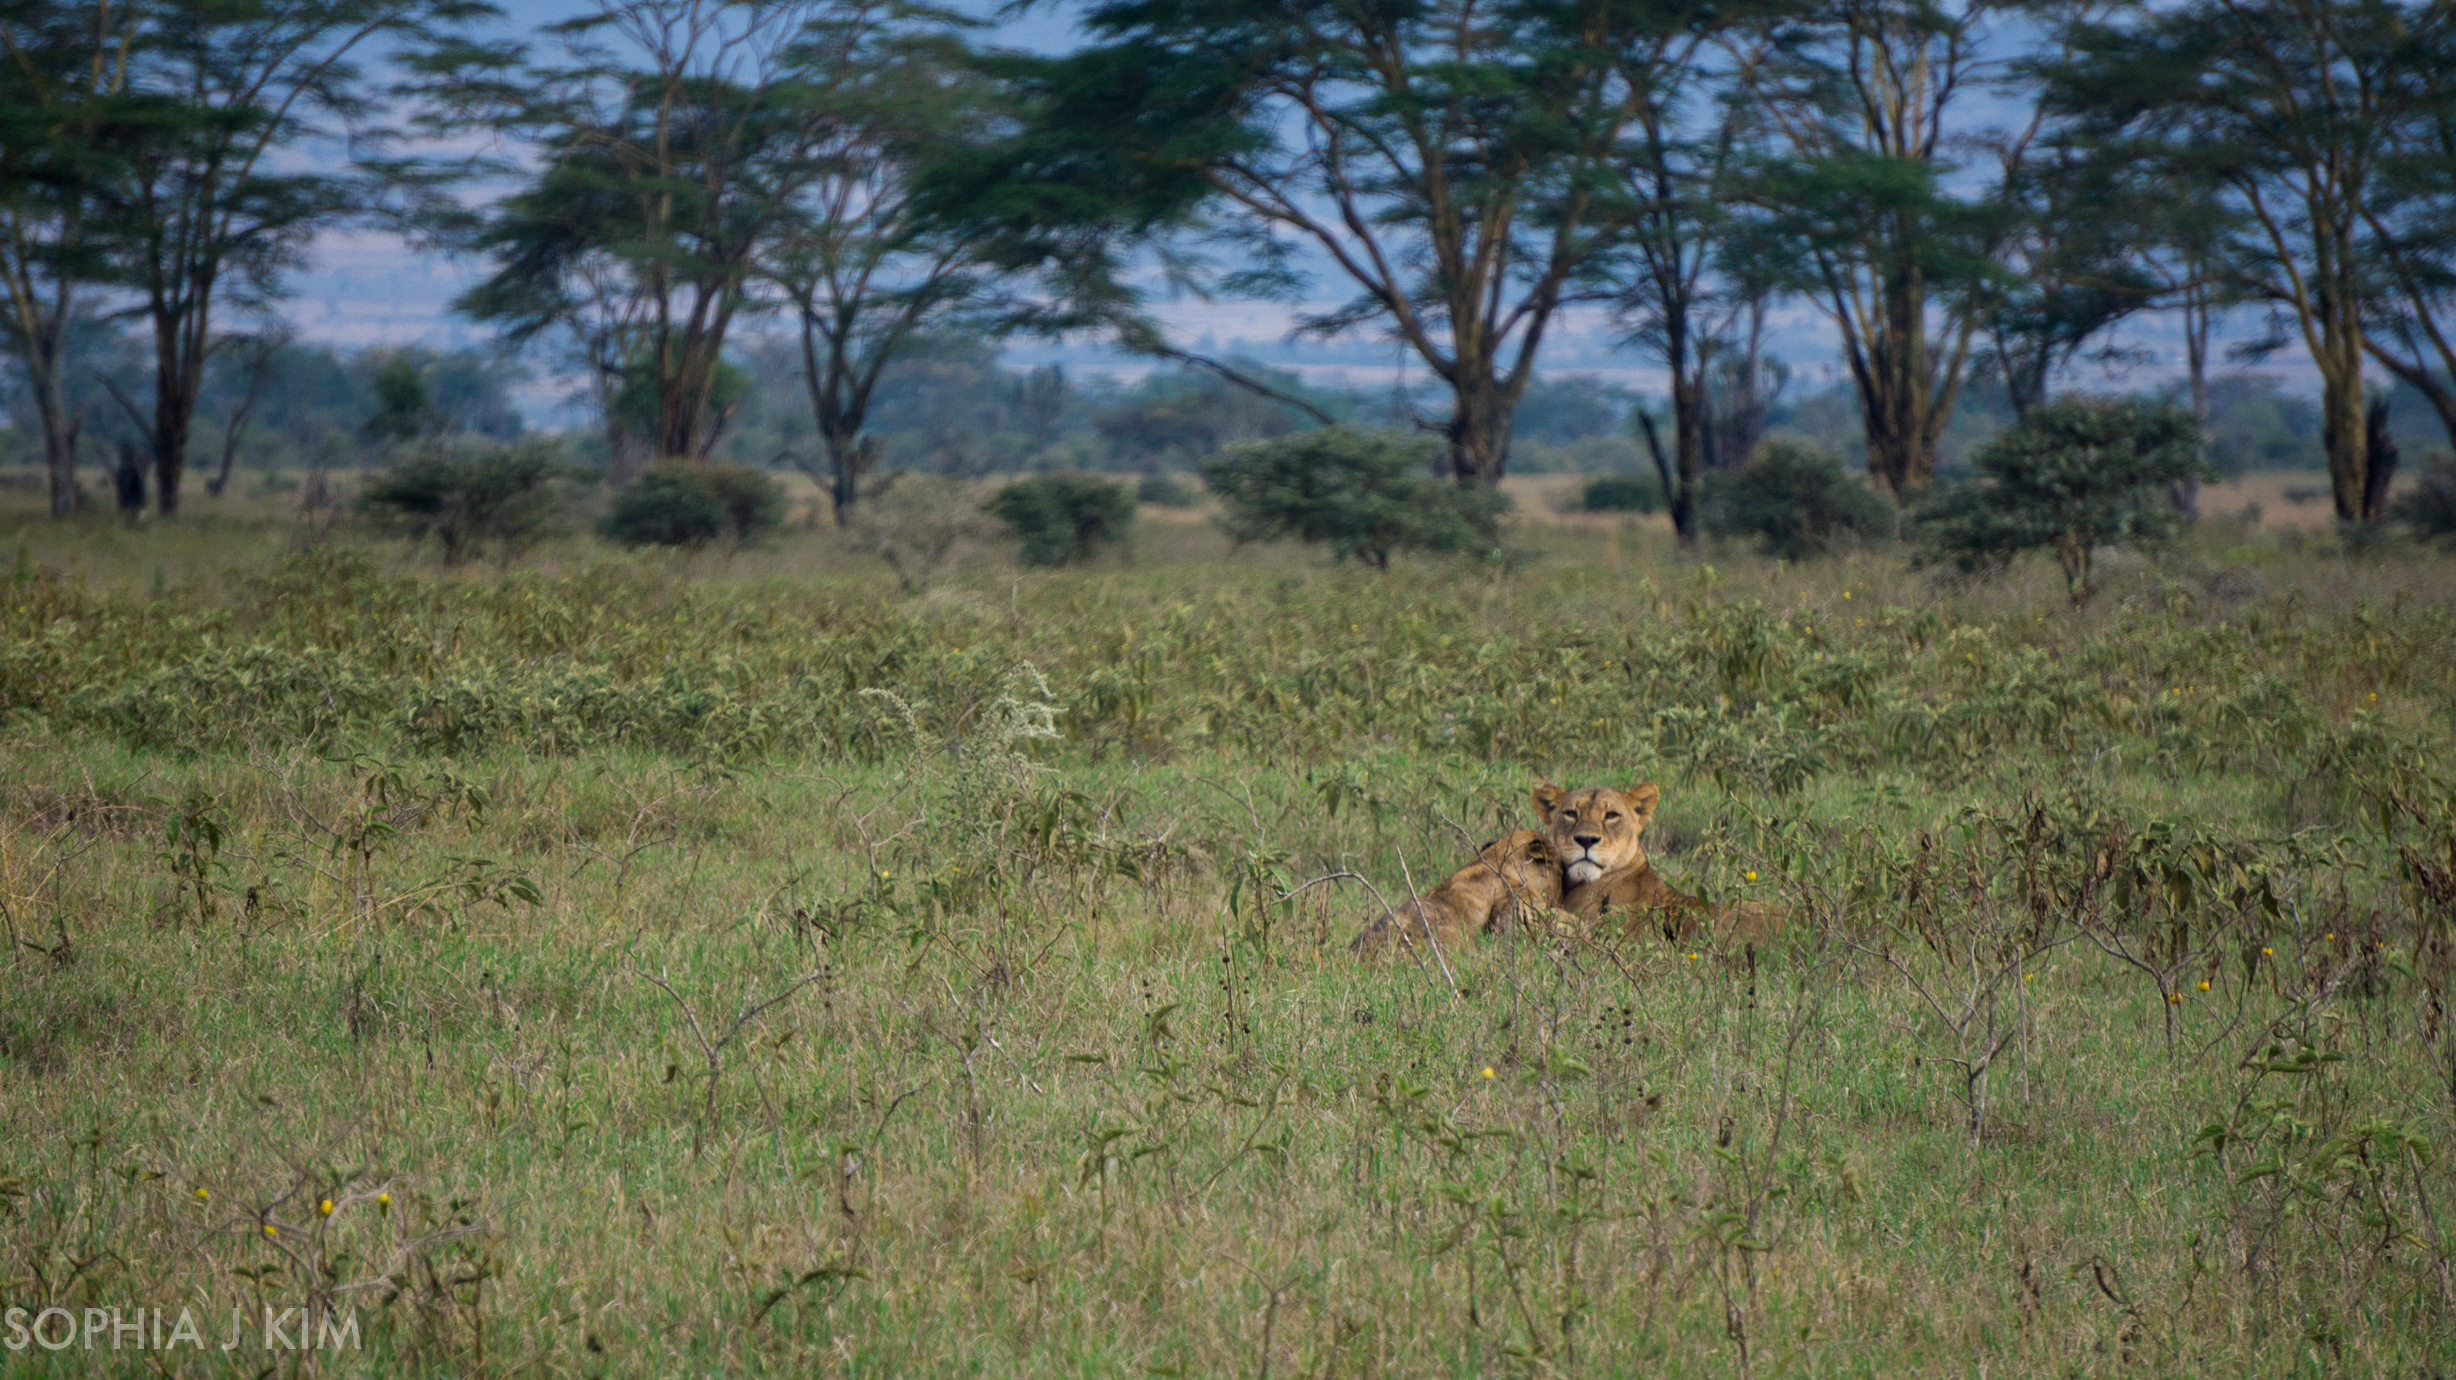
x: 1510, y: 877
x: 1595, y: 832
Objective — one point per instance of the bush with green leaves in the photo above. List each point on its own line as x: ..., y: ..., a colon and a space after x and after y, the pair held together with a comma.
x: 1797, y: 502
x: 2078, y: 473
x: 1062, y: 519
x: 1620, y: 493
x: 2428, y: 509
x: 1363, y: 493
x: 754, y: 502
x: 506, y: 498
x: 678, y: 504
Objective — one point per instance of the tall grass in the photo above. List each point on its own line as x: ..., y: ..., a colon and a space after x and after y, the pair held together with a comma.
x: 736, y: 965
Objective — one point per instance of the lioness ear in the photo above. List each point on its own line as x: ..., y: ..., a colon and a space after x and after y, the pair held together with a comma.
x: 1643, y: 799
x: 1548, y: 798
x: 1537, y: 850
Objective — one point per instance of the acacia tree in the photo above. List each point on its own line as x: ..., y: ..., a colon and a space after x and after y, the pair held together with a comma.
x: 1683, y: 160
x: 2413, y: 222
x: 1452, y: 164
x: 2071, y: 257
x: 675, y: 138
x: 195, y: 213
x: 1890, y: 238
x: 2074, y: 475
x: 63, y: 70
x: 2291, y: 109
x: 866, y: 270
x: 2175, y: 230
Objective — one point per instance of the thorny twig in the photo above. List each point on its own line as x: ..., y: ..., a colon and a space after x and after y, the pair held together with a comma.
x: 715, y: 1049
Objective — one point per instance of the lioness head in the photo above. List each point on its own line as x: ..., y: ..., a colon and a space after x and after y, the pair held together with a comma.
x: 1595, y: 830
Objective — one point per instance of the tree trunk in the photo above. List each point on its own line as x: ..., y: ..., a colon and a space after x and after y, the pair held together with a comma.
x: 43, y: 331
x: 2342, y: 433
x: 2379, y: 461
x: 2185, y: 493
x: 676, y: 421
x: 128, y: 481
x: 2338, y: 306
x: 1890, y: 462
x: 1662, y: 472
x: 1688, y: 442
x: 60, y: 429
x: 849, y: 458
x: 1479, y: 431
x: 170, y: 443
x: 180, y: 348
x: 682, y: 405
x: 1679, y: 479
x: 1894, y: 406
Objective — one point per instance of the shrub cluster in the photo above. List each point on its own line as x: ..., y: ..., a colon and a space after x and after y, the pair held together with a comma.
x: 1796, y: 502
x: 504, y: 497
x: 2076, y: 474
x: 677, y: 504
x: 1620, y: 493
x: 2428, y: 510
x: 1063, y: 519
x: 1365, y: 494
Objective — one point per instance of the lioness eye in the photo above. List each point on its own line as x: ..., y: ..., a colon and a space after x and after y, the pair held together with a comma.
x: 1614, y: 814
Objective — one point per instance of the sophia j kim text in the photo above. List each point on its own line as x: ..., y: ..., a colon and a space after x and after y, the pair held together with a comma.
x: 156, y: 1329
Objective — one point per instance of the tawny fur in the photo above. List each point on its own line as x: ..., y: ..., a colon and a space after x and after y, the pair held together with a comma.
x: 1511, y: 878
x: 1597, y: 834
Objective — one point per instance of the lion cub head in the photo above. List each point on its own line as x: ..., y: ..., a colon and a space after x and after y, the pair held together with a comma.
x: 1528, y: 868
x: 1596, y: 830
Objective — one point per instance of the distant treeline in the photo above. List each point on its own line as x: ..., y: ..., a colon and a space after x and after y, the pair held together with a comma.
x: 1981, y: 200
x: 950, y: 406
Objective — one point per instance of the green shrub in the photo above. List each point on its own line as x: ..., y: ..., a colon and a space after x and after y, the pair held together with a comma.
x: 1166, y: 491
x: 1620, y: 493
x: 1796, y: 500
x: 754, y: 501
x: 504, y: 497
x: 1063, y: 518
x: 2077, y: 474
x: 692, y: 505
x: 667, y: 505
x: 2429, y: 508
x: 1364, y: 493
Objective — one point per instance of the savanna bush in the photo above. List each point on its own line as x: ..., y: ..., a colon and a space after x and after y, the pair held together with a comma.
x: 506, y: 497
x: 688, y: 505
x: 2428, y: 509
x: 2076, y: 474
x: 1364, y: 494
x: 1796, y: 502
x: 1620, y: 493
x: 1063, y: 519
x: 665, y: 505
x: 754, y: 502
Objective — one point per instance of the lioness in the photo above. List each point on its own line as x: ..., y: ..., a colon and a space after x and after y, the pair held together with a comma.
x: 1513, y: 876
x: 1595, y: 832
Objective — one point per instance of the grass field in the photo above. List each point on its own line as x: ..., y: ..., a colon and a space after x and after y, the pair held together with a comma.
x: 736, y: 964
